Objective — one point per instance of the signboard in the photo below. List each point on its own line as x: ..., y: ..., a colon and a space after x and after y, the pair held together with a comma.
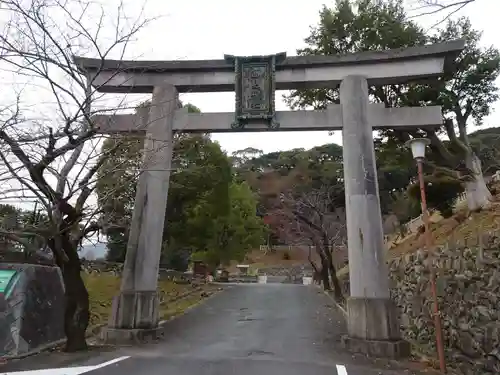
x: 255, y: 89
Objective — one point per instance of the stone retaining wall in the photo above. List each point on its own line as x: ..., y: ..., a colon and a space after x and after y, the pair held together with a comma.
x: 290, y: 274
x: 117, y: 268
x: 468, y: 286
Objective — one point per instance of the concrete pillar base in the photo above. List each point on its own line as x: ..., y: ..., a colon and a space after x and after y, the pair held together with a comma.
x: 377, y: 348
x: 135, y: 310
x: 373, y: 319
x: 117, y: 336
x: 373, y: 328
x: 134, y: 317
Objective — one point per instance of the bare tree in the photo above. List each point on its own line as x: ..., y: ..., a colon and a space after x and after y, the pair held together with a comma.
x: 48, y: 145
x: 443, y: 8
x: 313, y: 217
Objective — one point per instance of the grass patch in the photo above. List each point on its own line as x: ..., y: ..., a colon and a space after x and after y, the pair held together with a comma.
x: 103, y: 287
x: 173, y: 309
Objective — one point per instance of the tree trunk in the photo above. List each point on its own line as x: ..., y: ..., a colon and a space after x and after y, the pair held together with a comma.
x: 324, y: 268
x: 478, y: 195
x: 76, y: 312
x: 337, y: 289
x: 309, y: 258
x: 316, y: 272
x: 324, y: 274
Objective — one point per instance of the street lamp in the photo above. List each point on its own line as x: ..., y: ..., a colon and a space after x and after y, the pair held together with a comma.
x: 418, y: 146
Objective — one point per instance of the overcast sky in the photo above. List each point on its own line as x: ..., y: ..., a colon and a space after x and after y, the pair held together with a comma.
x: 200, y: 29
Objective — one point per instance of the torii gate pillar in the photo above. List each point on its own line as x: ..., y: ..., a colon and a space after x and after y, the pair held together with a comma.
x: 373, y: 325
x: 135, y: 310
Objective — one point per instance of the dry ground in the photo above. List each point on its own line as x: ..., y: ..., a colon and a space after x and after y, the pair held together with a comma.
x: 103, y: 287
x: 281, y: 257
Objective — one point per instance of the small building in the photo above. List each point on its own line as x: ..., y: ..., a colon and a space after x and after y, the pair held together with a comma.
x: 243, y: 268
x: 200, y: 268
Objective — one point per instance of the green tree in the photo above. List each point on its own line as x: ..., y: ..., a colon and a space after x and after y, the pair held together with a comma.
x: 466, y: 99
x: 441, y: 193
x: 466, y: 94
x: 232, y: 235
x: 116, y: 188
x: 206, y: 211
x: 201, y: 172
x: 203, y: 180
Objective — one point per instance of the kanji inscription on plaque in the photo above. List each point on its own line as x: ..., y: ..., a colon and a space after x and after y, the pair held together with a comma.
x: 255, y: 87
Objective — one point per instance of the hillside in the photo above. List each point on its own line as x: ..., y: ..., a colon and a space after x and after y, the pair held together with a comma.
x: 322, y: 165
x: 463, y: 227
x: 281, y: 256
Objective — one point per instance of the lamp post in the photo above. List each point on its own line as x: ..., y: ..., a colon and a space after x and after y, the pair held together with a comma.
x: 418, y: 146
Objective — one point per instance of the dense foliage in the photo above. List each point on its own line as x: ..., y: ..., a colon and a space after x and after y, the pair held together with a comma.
x: 209, y: 213
x: 466, y: 94
x: 441, y: 193
x: 309, y: 170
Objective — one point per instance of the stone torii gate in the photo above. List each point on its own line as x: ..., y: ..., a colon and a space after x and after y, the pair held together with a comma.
x: 372, y: 317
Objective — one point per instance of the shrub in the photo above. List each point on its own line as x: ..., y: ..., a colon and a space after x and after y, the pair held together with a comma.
x: 404, y: 207
x: 441, y: 193
x: 492, y: 187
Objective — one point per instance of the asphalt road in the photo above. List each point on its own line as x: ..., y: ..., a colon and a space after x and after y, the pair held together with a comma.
x: 273, y: 329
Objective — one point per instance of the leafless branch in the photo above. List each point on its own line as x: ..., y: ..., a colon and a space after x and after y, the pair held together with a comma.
x: 439, y: 7
x: 52, y: 158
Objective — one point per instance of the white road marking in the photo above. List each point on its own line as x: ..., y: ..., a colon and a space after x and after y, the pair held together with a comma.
x: 341, y: 370
x: 110, y: 362
x: 65, y: 371
x: 54, y: 371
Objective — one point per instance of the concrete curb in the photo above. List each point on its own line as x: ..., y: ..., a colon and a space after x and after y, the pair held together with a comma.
x: 41, y: 348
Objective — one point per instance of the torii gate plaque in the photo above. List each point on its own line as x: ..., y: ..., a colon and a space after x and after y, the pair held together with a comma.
x: 372, y: 317
x: 255, y: 83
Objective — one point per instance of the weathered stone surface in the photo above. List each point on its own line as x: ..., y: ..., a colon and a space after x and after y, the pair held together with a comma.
x: 97, y: 267
x: 32, y: 314
x: 375, y: 348
x: 114, y: 336
x: 289, y: 274
x: 468, y: 286
x: 135, y: 310
x: 372, y: 319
